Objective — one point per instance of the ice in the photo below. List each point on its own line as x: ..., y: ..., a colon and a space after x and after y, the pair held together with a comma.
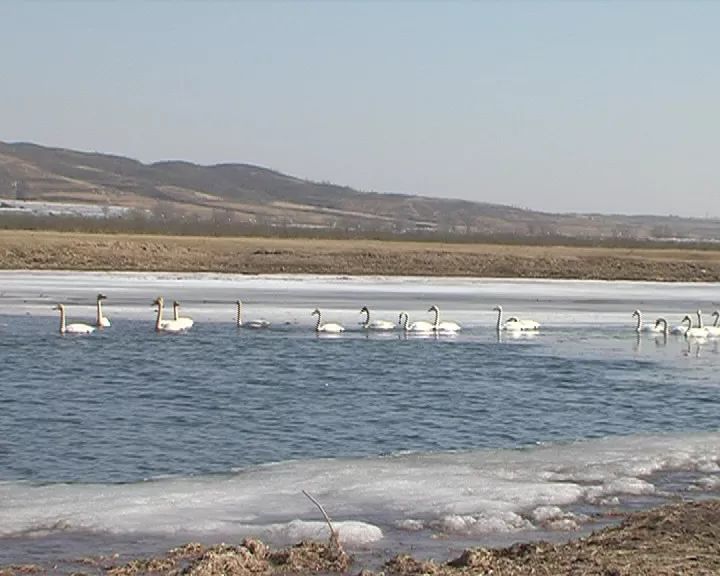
x: 283, y: 298
x: 468, y: 492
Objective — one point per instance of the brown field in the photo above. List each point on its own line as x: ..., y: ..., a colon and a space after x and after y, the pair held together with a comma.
x: 673, y: 540
x: 76, y: 251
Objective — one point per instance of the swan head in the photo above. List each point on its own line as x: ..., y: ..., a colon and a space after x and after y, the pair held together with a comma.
x: 433, y: 308
x: 314, y: 312
x: 660, y: 321
x: 59, y: 307
x: 636, y: 313
x: 716, y: 313
x: 686, y: 319
x: 497, y: 308
x: 238, y: 303
x: 158, y: 301
x: 364, y: 309
x: 176, y: 304
x: 101, y: 297
x: 400, y: 317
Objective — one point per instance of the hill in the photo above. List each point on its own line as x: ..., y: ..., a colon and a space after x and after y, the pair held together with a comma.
x: 244, y: 193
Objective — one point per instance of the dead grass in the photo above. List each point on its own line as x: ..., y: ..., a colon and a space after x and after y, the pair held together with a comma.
x: 75, y: 251
x: 673, y: 540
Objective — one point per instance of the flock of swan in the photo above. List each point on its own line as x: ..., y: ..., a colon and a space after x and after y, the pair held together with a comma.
x: 180, y: 324
x: 685, y: 328
x: 513, y: 324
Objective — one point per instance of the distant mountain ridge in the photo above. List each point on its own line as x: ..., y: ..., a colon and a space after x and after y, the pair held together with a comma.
x: 247, y: 193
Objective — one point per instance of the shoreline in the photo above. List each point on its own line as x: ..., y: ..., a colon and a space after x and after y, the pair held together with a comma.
x: 37, y: 250
x: 672, y: 539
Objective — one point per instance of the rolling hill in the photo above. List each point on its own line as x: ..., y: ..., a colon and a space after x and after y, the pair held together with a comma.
x: 245, y: 193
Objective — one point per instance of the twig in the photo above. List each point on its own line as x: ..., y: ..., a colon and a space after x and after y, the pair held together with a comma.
x: 334, y: 537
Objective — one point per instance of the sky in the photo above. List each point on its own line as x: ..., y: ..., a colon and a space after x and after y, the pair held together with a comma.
x: 610, y: 107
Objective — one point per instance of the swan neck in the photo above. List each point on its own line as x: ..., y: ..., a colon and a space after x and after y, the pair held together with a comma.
x: 367, y: 318
x: 99, y: 313
x: 639, y: 322
x: 62, y: 320
x: 499, y: 319
x: 176, y: 312
x: 436, y: 323
x: 317, y: 324
x: 159, y: 316
x: 239, y: 314
x: 700, y: 322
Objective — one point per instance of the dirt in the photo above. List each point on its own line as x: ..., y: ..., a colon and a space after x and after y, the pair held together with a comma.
x: 678, y: 539
x: 75, y: 251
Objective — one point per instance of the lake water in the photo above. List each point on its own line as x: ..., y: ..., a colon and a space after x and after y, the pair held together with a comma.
x: 131, y: 440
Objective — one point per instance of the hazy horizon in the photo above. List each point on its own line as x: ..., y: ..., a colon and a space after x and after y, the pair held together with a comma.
x: 553, y: 106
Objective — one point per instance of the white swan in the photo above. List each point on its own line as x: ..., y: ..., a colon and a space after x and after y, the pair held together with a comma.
x: 76, y: 328
x: 166, y: 325
x: 375, y: 324
x: 694, y: 332
x: 183, y: 320
x: 640, y: 327
x: 446, y: 326
x: 330, y: 328
x: 714, y: 330
x: 419, y: 327
x: 101, y: 321
x: 250, y: 323
x: 514, y: 323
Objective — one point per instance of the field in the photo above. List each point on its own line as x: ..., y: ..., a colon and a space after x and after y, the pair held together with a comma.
x: 77, y: 251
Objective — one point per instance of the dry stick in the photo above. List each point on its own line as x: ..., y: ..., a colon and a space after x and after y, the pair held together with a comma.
x: 334, y: 538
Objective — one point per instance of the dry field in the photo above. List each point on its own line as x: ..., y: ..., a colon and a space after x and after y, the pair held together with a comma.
x: 75, y: 251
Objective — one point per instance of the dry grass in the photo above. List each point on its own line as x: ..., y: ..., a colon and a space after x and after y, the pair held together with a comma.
x: 673, y: 540
x: 75, y: 251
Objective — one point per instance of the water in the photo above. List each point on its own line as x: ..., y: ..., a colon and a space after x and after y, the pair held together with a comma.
x: 133, y: 439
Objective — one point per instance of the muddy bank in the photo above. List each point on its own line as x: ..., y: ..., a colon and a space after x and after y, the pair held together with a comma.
x: 677, y: 539
x: 69, y: 251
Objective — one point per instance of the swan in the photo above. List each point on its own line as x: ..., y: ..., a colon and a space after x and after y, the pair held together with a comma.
x: 443, y: 326
x: 514, y: 323
x: 714, y: 330
x: 375, y: 324
x: 251, y: 323
x: 420, y: 327
x: 329, y: 327
x: 183, y: 320
x: 166, y: 325
x: 694, y: 332
x: 640, y: 327
x: 101, y: 321
x: 72, y: 328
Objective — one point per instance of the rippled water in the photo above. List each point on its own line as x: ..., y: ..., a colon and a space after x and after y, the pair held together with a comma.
x: 126, y: 404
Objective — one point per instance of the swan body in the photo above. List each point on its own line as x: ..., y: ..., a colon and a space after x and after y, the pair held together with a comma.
x: 183, y: 320
x: 640, y: 327
x: 680, y: 329
x: 75, y: 328
x: 101, y: 321
x: 379, y: 325
x: 443, y: 326
x: 694, y: 332
x: 330, y: 327
x: 514, y: 323
x: 250, y: 323
x: 419, y: 327
x: 166, y: 325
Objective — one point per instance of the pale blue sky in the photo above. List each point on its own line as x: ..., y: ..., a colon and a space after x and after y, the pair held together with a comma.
x: 558, y: 106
